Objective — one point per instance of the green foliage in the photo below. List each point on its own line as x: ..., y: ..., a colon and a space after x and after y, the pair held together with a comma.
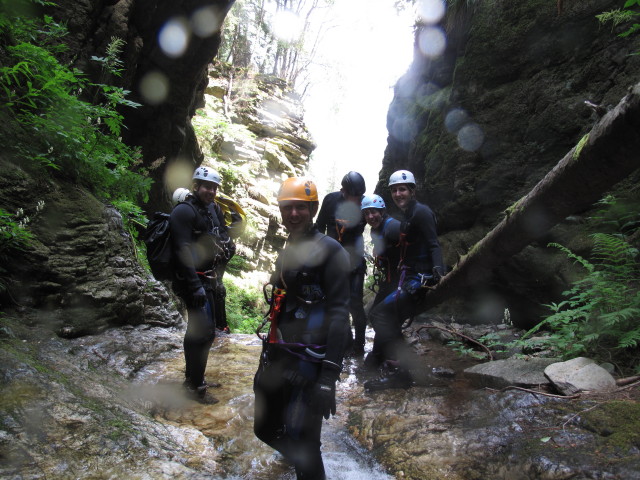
x: 134, y: 219
x: 245, y: 309
x: 599, y: 314
x: 622, y: 16
x: 53, y: 128
x: 14, y: 235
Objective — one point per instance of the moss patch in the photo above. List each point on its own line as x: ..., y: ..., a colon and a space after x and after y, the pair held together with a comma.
x: 617, y: 423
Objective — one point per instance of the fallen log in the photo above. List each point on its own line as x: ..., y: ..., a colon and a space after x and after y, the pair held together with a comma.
x: 606, y: 155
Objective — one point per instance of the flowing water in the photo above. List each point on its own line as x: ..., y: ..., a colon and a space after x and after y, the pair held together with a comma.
x: 229, y: 423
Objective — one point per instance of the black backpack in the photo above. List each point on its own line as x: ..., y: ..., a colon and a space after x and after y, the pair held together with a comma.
x: 157, y: 238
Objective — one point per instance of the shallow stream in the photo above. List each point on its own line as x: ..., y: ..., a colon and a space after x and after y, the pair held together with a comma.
x: 229, y: 423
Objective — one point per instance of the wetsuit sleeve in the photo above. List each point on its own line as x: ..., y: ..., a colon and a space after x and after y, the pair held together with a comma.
x: 336, y: 288
x: 424, y: 220
x: 323, y: 216
x: 182, y: 222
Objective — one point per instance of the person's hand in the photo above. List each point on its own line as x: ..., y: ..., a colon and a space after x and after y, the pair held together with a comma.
x: 324, y: 391
x: 198, y: 298
x: 324, y: 399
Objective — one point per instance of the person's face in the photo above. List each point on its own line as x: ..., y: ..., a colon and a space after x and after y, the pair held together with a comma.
x: 401, y: 195
x: 206, y: 192
x: 373, y: 216
x: 297, y: 215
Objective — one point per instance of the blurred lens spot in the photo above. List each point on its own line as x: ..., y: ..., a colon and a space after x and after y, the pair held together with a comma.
x: 432, y: 42
x: 178, y: 174
x: 154, y: 87
x: 174, y: 37
x: 470, y: 137
x: 455, y: 119
x: 205, y: 22
x: 431, y: 11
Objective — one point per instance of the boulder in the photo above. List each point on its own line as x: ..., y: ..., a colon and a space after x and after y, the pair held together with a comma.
x: 579, y: 374
x: 522, y: 372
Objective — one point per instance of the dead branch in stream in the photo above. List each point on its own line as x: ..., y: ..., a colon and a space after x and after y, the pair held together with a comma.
x: 453, y: 332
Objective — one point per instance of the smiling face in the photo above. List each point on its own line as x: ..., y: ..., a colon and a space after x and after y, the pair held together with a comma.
x: 206, y: 191
x: 373, y: 216
x: 401, y: 195
x: 297, y: 215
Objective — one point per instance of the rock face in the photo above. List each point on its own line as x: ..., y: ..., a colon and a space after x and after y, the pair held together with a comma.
x: 161, y: 126
x: 484, y: 122
x: 79, y: 271
x: 251, y: 130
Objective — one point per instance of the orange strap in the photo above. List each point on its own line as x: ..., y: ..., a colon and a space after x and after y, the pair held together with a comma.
x: 340, y: 227
x: 403, y: 244
x: 276, y: 307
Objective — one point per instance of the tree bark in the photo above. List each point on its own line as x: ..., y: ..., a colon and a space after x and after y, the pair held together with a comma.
x: 608, y: 154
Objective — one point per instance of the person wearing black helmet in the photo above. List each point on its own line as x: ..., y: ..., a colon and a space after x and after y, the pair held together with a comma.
x: 340, y: 217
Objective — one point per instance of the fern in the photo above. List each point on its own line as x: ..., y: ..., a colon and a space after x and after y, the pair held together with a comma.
x: 599, y: 314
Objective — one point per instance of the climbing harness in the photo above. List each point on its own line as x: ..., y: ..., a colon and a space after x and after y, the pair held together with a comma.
x: 275, y: 307
x: 208, y: 274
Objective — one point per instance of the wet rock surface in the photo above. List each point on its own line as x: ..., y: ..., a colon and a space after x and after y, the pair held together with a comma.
x: 112, y: 405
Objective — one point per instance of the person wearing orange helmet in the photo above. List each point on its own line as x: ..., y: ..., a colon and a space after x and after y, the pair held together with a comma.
x: 309, y: 328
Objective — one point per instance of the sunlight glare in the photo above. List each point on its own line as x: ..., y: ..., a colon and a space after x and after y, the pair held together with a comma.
x: 205, y: 22
x: 174, y: 37
x: 432, y: 42
x: 287, y: 25
x: 154, y: 87
x: 431, y: 11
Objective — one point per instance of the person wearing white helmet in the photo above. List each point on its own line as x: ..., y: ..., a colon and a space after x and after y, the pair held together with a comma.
x: 420, y: 267
x: 180, y: 195
x: 197, y: 231
x: 340, y: 217
x: 385, y: 234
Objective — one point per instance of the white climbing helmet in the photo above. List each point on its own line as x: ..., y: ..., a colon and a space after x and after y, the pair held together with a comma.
x: 207, y: 174
x: 180, y: 195
x: 372, y: 201
x: 402, y: 176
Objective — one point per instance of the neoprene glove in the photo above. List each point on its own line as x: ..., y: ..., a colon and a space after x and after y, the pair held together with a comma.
x: 324, y: 391
x: 198, y: 298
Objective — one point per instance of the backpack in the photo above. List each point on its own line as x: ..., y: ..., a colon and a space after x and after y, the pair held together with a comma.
x: 157, y: 238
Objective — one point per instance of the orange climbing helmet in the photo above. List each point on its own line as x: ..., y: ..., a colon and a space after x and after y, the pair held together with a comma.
x: 298, y: 188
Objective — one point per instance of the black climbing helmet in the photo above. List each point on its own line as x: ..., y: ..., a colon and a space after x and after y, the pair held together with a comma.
x: 353, y: 184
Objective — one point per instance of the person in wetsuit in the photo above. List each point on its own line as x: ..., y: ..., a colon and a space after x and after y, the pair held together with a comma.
x: 309, y: 328
x: 197, y: 234
x: 420, y: 266
x: 385, y: 235
x: 340, y: 218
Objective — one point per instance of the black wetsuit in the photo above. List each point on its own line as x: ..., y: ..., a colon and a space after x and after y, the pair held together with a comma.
x: 386, y: 254
x: 195, y: 232
x: 420, y: 254
x: 343, y: 221
x: 313, y: 327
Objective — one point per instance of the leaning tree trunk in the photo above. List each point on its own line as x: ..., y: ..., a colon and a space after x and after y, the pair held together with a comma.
x: 605, y: 156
